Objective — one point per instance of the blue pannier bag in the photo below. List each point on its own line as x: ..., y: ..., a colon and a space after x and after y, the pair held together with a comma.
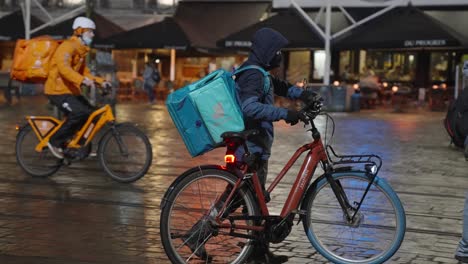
x: 205, y: 109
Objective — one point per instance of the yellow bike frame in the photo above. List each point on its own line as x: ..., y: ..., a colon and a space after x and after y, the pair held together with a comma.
x: 46, y: 126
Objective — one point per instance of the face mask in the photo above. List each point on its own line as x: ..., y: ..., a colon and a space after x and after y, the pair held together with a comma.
x: 87, y: 39
x: 276, y: 61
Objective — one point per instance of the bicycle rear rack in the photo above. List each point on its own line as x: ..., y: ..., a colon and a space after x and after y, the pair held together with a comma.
x: 366, y: 160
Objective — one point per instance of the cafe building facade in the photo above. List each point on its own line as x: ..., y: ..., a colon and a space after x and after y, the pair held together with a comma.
x: 420, y: 60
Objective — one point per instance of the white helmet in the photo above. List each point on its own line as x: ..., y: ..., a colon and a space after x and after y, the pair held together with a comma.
x: 83, y: 22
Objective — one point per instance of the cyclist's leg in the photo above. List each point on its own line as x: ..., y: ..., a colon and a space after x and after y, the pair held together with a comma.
x: 200, y: 230
x: 77, y: 114
x: 261, y: 252
x: 462, y: 250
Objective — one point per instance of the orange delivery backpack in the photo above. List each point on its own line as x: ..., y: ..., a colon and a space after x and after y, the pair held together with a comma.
x: 32, y: 59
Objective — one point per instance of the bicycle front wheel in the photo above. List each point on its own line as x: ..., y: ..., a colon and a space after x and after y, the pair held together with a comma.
x: 38, y: 164
x: 374, y: 235
x: 189, y: 232
x: 125, y: 153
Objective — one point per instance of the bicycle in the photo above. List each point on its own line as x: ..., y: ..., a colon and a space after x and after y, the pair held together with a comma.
x: 215, y: 213
x: 124, y: 151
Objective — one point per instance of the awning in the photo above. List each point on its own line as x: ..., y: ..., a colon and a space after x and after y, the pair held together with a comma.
x: 166, y: 34
x: 12, y: 26
x: 207, y: 22
x: 401, y: 27
x: 289, y: 23
x: 454, y: 19
x: 63, y: 30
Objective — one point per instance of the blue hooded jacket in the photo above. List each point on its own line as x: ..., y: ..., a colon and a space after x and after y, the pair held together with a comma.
x: 258, y: 108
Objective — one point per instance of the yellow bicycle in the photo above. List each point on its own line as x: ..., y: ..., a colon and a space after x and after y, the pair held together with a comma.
x: 123, y: 150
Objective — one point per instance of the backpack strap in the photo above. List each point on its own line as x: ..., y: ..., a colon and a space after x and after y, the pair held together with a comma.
x: 266, y: 76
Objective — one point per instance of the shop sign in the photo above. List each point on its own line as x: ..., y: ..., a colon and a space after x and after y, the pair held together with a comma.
x: 175, y: 47
x: 425, y: 43
x: 237, y: 43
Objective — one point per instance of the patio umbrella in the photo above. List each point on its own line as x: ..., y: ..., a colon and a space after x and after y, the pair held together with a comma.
x: 401, y: 27
x: 205, y: 22
x: 165, y: 34
x: 12, y: 26
x: 290, y: 24
x: 104, y: 28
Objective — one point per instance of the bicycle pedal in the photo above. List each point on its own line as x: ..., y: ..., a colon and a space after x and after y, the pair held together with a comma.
x: 299, y: 212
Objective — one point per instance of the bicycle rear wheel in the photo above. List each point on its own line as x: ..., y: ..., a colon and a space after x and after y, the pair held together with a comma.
x: 38, y: 164
x: 189, y: 232
x: 377, y: 231
x: 125, y: 153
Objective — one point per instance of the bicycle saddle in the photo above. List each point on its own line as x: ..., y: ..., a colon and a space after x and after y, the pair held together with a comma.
x: 242, y: 134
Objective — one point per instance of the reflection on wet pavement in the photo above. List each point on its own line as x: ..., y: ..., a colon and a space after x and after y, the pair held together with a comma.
x: 80, y: 215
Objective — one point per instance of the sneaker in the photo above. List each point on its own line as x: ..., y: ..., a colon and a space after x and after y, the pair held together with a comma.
x: 195, y: 239
x: 57, y: 152
x: 262, y: 255
x: 461, y: 259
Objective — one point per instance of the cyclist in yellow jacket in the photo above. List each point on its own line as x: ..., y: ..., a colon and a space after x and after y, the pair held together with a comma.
x: 67, y: 74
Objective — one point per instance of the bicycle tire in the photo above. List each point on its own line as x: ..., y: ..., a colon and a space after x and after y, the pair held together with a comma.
x: 331, y: 212
x: 117, y: 164
x: 46, y: 165
x: 220, y: 248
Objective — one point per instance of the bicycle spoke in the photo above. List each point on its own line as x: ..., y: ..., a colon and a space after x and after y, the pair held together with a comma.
x: 368, y: 235
x: 192, y: 236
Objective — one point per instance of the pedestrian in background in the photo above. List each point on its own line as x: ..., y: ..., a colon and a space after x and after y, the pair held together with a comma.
x: 151, y: 78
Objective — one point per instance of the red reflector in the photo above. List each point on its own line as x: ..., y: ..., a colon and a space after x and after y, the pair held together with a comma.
x: 229, y: 158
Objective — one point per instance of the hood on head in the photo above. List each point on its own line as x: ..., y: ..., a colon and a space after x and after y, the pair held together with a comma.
x: 265, y: 43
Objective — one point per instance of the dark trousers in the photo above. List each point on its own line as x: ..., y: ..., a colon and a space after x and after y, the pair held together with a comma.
x: 262, y: 172
x: 150, y: 90
x: 77, y: 109
x: 7, y: 92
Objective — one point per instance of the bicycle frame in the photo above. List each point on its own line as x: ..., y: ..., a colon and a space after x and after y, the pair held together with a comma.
x: 316, y: 154
x: 45, y: 127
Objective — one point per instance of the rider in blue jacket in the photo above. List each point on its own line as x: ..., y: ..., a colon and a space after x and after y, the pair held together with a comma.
x: 260, y: 112
x: 258, y: 108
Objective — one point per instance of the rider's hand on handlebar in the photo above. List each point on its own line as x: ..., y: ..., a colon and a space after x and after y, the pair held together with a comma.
x: 309, y: 97
x: 87, y: 82
x: 106, y: 88
x: 294, y: 117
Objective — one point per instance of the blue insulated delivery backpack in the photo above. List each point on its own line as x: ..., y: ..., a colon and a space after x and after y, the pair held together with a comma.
x: 207, y: 108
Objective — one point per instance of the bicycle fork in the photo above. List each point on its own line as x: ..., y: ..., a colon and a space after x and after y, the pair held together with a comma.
x: 342, y: 198
x: 122, y: 147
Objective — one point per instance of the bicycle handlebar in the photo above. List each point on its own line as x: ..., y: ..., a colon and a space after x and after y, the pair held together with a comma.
x: 312, y: 110
x: 105, y: 89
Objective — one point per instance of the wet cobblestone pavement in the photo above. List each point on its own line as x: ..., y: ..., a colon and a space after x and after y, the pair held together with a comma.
x: 80, y: 215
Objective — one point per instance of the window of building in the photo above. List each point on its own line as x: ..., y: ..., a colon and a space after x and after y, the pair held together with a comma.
x: 299, y: 65
x: 390, y: 65
x: 439, y: 66
x: 319, y: 64
x: 346, y: 67
x: 167, y: 3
